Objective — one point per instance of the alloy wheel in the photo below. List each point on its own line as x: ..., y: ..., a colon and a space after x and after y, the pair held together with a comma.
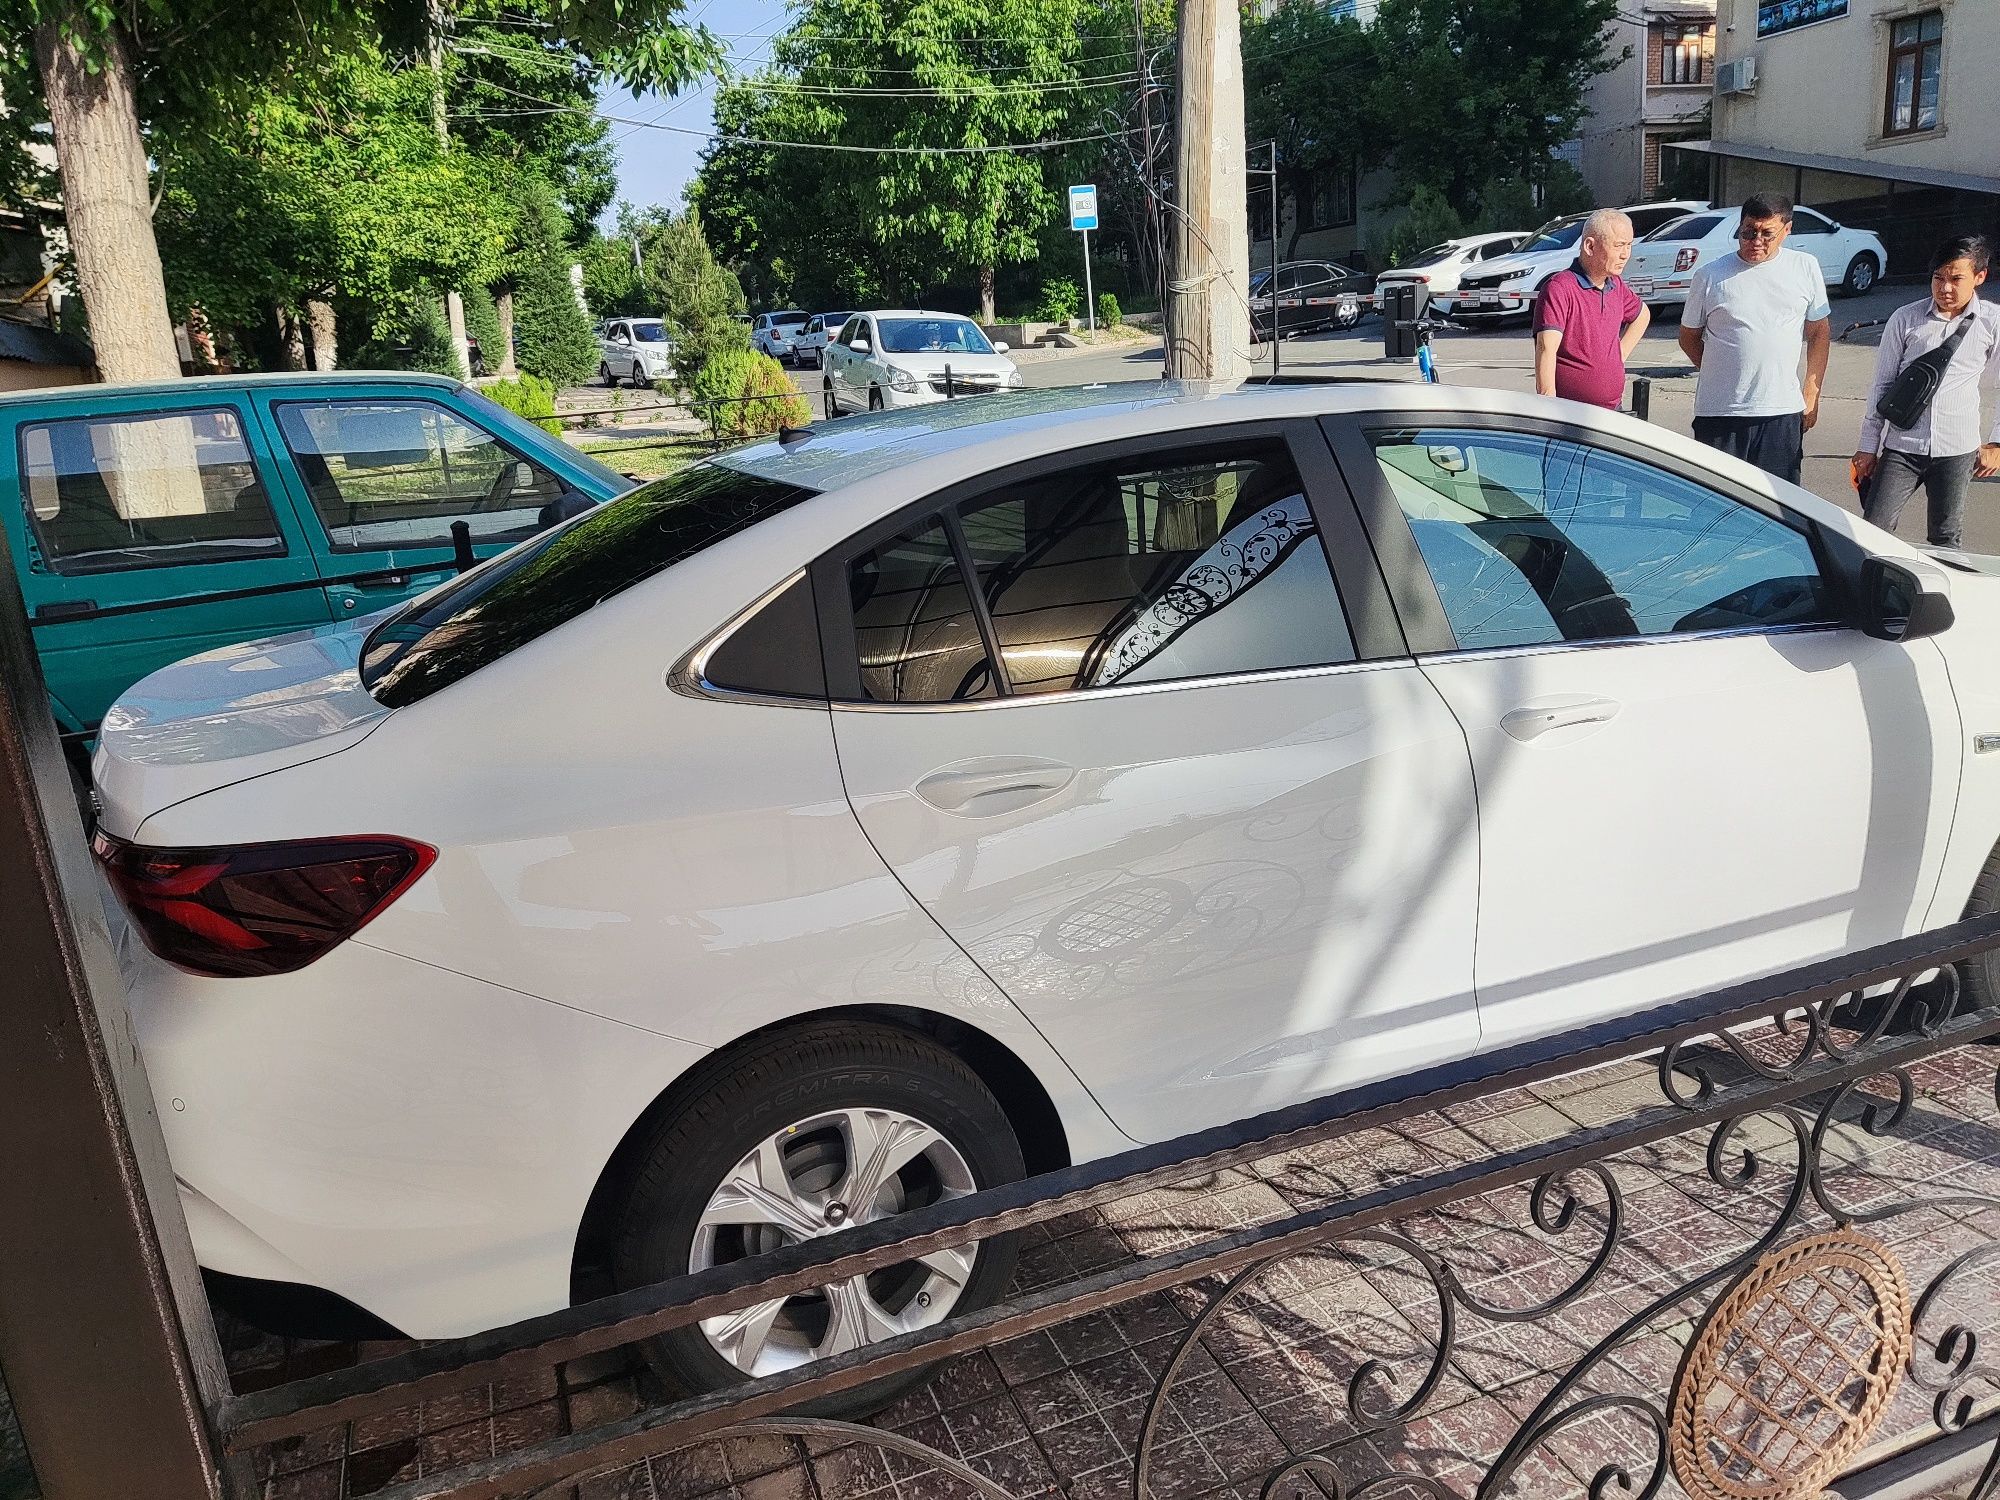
x: 813, y: 1179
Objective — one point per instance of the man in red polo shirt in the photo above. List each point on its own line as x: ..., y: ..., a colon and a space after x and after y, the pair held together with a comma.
x: 1587, y: 320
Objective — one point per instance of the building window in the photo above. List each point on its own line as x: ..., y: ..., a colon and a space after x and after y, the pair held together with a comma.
x: 1685, y: 52
x: 1916, y: 67
x: 1330, y: 203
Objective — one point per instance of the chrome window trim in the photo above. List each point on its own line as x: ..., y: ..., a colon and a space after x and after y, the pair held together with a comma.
x: 1124, y: 689
x: 689, y: 675
x: 1544, y: 648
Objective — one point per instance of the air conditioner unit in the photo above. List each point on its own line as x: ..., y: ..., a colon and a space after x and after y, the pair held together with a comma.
x: 1737, y: 76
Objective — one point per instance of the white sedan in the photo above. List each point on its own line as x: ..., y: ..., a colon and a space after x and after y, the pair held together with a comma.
x: 1439, y: 268
x: 635, y: 350
x: 909, y: 358
x: 869, y: 817
x: 1664, y: 262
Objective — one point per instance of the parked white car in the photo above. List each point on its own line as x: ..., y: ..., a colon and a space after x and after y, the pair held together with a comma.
x: 1662, y: 265
x: 902, y: 357
x: 635, y: 350
x: 1439, y: 268
x: 776, y: 334
x: 865, y: 818
x: 810, y: 345
x: 1506, y: 288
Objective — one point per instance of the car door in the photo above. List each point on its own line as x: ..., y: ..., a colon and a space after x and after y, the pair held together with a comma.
x: 1689, y: 772
x: 153, y: 531
x: 381, y: 477
x: 1175, y: 790
x: 1816, y: 235
x: 839, y: 357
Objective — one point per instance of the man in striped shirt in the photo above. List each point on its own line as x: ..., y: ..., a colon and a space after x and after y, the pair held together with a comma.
x: 1942, y: 452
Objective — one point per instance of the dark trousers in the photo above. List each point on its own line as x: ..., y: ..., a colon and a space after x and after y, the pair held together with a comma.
x: 1944, y: 481
x: 1777, y: 445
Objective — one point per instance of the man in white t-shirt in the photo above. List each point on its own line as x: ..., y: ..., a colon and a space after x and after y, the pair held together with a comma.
x: 1747, y: 316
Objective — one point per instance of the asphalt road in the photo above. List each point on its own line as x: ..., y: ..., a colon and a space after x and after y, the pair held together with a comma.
x: 1501, y: 358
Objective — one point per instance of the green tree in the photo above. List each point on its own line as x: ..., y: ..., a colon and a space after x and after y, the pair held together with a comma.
x: 551, y: 331
x: 917, y: 186
x: 699, y: 298
x: 1483, y: 90
x: 1308, y: 84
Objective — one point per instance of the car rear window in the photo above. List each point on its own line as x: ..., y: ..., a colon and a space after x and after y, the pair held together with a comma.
x: 438, y: 639
x: 1693, y: 227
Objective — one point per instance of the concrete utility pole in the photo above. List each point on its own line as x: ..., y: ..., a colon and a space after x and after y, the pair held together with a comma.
x: 1208, y: 280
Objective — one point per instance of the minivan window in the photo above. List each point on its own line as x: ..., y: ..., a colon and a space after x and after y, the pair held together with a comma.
x: 146, y: 491
x: 438, y: 639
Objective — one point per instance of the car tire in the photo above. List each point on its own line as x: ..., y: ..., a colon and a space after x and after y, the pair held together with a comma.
x: 832, y: 406
x: 604, y: 374
x: 875, y: 402
x: 784, y: 1112
x: 1981, y: 975
x: 1862, y: 274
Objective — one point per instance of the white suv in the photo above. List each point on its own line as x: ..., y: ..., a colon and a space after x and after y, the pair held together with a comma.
x: 861, y: 819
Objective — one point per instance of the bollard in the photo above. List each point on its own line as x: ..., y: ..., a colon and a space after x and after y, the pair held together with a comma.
x: 1642, y: 399
x: 950, y: 390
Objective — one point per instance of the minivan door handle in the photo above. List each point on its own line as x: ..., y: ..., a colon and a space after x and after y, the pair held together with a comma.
x: 66, y: 609
x: 989, y: 787
x: 1532, y: 721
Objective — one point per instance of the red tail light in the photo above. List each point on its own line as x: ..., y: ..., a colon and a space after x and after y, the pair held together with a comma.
x: 258, y: 908
x: 1684, y: 259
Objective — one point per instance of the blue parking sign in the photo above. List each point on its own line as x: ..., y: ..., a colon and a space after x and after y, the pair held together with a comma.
x: 1083, y: 206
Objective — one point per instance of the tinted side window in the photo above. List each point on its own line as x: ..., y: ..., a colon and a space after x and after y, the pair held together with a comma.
x: 113, y: 493
x: 398, y: 473
x: 1533, y: 540
x: 1810, y: 223
x: 1184, y: 566
x: 914, y: 626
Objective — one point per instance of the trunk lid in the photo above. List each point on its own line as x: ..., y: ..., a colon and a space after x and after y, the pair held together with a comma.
x: 227, y: 715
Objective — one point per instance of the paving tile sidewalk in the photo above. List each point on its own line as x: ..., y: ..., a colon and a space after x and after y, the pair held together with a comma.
x: 1060, y: 1413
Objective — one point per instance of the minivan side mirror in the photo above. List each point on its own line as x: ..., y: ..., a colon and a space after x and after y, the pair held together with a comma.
x: 1895, y: 606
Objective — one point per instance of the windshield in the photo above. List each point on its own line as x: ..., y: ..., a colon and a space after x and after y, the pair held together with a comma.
x: 1428, y: 257
x: 1693, y: 227
x: 932, y: 335
x: 649, y: 333
x: 435, y: 640
x: 1559, y: 235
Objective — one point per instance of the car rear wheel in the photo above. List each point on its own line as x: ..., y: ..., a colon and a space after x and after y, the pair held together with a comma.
x: 797, y: 1137
x: 1862, y: 273
x: 604, y: 374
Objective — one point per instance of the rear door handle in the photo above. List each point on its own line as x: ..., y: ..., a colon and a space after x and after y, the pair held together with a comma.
x: 986, y: 788
x: 1532, y: 721
x: 65, y: 609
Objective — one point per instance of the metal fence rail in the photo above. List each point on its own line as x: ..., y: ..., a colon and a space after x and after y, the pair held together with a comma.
x: 1754, y: 1074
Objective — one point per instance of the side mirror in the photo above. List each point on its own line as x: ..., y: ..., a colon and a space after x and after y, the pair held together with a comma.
x: 999, y: 346
x: 860, y: 346
x: 1895, y: 607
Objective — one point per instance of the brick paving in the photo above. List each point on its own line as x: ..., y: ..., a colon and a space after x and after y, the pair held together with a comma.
x: 1060, y: 1413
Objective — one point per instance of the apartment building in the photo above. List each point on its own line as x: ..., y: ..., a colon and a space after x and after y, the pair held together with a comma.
x: 1880, y: 112
x: 1658, y: 94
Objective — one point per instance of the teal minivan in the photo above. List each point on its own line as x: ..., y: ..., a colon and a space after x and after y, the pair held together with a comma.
x: 151, y: 522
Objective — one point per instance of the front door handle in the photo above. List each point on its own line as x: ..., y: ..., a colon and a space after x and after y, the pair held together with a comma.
x: 1533, y: 720
x: 988, y: 787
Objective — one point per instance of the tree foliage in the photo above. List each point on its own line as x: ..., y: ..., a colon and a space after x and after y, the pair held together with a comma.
x: 939, y: 84
x: 552, y: 336
x: 698, y: 298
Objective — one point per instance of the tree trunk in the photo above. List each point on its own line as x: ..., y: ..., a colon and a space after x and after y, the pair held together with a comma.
x: 503, y: 304
x: 107, y: 201
x: 292, y: 338
x: 986, y: 295
x: 321, y: 323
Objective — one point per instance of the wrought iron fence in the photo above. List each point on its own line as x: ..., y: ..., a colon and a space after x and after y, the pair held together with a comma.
x: 1736, y: 1244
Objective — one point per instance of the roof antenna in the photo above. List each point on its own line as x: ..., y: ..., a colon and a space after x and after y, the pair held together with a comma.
x: 788, y: 435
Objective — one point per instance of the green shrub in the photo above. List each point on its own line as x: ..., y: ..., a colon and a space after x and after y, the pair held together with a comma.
x: 482, y: 323
x: 748, y: 393
x: 552, y: 336
x: 528, y: 396
x: 1108, y: 313
x: 1062, y: 299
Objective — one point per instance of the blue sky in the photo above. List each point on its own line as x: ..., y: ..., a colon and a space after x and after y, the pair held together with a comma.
x: 657, y: 154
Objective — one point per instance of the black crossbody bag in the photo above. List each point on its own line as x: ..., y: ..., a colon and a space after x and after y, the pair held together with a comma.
x: 1910, y: 395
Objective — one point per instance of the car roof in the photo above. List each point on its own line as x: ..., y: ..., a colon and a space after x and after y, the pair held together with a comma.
x: 948, y: 442
x: 198, y: 383
x: 912, y: 312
